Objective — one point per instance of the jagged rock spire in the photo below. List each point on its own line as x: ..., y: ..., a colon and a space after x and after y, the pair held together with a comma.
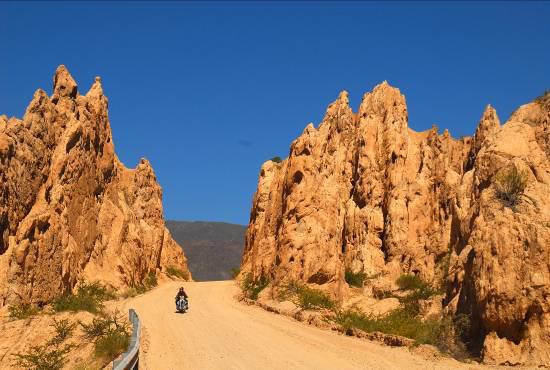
x: 63, y: 84
x: 487, y: 126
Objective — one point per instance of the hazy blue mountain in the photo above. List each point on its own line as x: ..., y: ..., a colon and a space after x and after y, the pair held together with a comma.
x: 212, y: 248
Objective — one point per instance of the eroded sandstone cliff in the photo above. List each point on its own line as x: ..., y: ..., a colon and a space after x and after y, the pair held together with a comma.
x: 69, y: 209
x: 364, y: 192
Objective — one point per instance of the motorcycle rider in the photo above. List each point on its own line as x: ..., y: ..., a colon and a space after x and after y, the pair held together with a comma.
x: 181, y: 293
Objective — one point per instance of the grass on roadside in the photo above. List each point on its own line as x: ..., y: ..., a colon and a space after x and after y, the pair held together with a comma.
x: 305, y: 297
x: 252, y: 288
x: 110, y: 334
x: 175, y: 272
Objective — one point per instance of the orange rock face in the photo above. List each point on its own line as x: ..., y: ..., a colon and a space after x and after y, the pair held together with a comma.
x: 364, y: 192
x: 69, y: 209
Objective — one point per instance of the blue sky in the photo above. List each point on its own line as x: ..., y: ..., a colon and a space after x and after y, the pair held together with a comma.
x: 209, y: 91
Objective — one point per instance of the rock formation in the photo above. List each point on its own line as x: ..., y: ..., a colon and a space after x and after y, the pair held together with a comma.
x: 69, y: 209
x: 366, y: 193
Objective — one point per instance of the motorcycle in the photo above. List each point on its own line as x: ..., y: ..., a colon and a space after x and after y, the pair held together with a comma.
x: 182, y: 305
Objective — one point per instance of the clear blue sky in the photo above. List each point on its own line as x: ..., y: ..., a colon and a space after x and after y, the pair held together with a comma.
x: 209, y: 91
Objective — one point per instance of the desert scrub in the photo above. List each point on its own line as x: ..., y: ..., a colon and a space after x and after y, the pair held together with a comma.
x: 356, y: 279
x: 235, y: 272
x: 446, y: 333
x: 110, y: 334
x: 510, y: 185
x: 544, y: 99
x: 398, y: 322
x: 150, y: 281
x: 406, y: 320
x: 175, y: 272
x: 50, y: 356
x: 88, y: 297
x: 22, y: 311
x: 410, y: 282
x: 276, y: 159
x: 417, y: 290
x: 305, y: 297
x: 252, y: 288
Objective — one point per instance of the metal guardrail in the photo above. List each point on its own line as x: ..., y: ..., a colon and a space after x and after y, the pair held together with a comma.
x: 129, y: 360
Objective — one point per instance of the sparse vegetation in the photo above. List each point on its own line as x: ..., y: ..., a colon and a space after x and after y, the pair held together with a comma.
x: 63, y: 330
x: 22, y: 311
x: 89, y: 297
x: 356, y: 279
x: 382, y: 294
x: 252, y: 287
x: 305, y: 297
x: 398, y: 322
x: 110, y: 334
x: 417, y: 290
x: 129, y: 293
x: 410, y: 282
x: 276, y: 159
x: 510, y: 185
x: 544, y: 99
x: 150, y: 281
x: 406, y: 321
x: 235, y: 272
x: 175, y: 272
x: 50, y: 356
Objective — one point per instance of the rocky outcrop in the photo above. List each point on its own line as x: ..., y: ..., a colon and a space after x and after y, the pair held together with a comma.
x: 70, y: 211
x: 364, y: 192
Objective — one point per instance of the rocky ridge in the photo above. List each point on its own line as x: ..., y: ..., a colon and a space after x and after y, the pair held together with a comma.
x: 70, y: 211
x: 364, y: 192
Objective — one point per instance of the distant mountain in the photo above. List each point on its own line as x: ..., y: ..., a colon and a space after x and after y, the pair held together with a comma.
x: 212, y: 248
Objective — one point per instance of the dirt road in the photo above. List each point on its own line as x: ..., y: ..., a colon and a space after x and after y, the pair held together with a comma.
x: 219, y: 332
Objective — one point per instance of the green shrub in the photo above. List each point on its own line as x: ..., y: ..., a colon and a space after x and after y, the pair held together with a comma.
x: 104, y: 324
x: 89, y: 297
x: 173, y: 271
x: 140, y: 289
x: 398, y: 322
x: 50, y: 356
x: 510, y: 185
x: 276, y: 159
x: 356, y: 279
x: 63, y: 330
x: 111, y: 345
x: 382, y: 294
x: 129, y: 293
x: 252, y: 288
x: 410, y: 282
x: 314, y: 299
x: 305, y: 297
x: 150, y: 280
x: 235, y: 272
x: 417, y: 290
x: 110, y: 334
x: 43, y: 357
x: 22, y: 311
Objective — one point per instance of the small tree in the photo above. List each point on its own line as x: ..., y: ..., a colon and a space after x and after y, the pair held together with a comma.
x: 510, y: 185
x: 276, y: 159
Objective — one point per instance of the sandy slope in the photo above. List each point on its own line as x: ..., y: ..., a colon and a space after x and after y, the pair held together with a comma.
x: 220, y: 333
